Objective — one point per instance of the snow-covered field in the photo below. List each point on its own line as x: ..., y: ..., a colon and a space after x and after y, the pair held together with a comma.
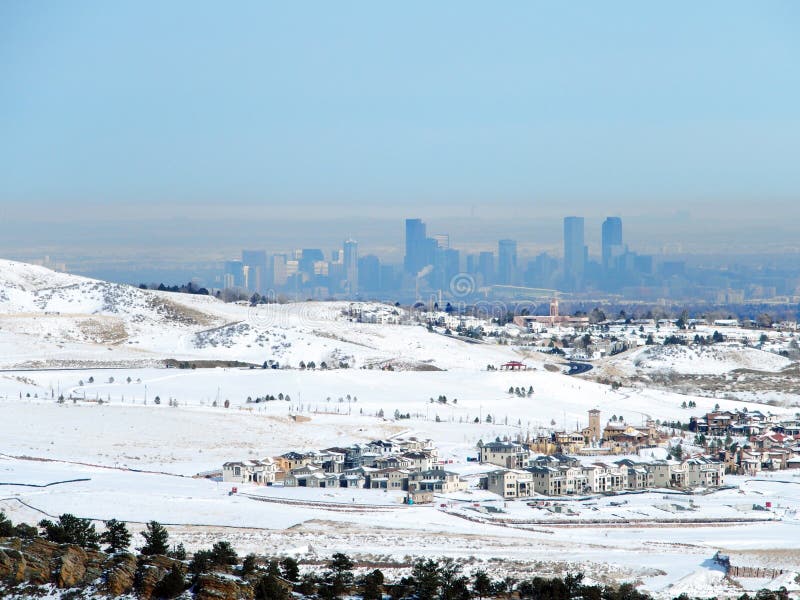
x: 130, y: 434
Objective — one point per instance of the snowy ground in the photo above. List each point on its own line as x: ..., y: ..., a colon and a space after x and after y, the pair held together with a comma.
x: 130, y: 458
x: 199, y: 511
x: 196, y: 436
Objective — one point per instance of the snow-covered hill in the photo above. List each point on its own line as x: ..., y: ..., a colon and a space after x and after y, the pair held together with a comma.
x: 698, y: 360
x: 55, y: 319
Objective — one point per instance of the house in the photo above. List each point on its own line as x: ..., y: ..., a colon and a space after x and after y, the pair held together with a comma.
x: 260, y: 472
x: 510, y: 483
x: 667, y: 474
x: 548, y: 481
x: 420, y: 460
x: 389, y: 479
x: 419, y: 497
x: 436, y: 480
x: 311, y: 476
x: 391, y: 462
x: 703, y: 472
x: 509, y: 455
x: 382, y: 447
x: 638, y: 476
x: 295, y: 460
x: 604, y: 478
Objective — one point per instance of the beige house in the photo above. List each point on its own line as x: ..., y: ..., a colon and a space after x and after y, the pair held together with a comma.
x: 420, y: 460
x: 510, y: 483
x: 259, y: 472
x: 311, y: 476
x: 389, y: 479
x: 703, y: 472
x: 436, y: 480
x: 509, y: 455
x: 668, y: 474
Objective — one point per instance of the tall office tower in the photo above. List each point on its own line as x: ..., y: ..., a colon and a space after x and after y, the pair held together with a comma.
x: 612, y: 241
x: 416, y: 249
x: 369, y: 273
x: 351, y: 266
x: 234, y: 274
x: 486, y: 267
x: 309, y: 256
x: 256, y: 263
x: 442, y: 240
x: 574, y: 252
x: 279, y: 270
x: 507, y: 262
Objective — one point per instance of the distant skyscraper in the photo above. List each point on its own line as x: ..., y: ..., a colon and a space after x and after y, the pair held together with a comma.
x: 574, y: 251
x: 612, y: 240
x: 256, y: 263
x: 506, y: 262
x: 351, y: 266
x: 369, y: 273
x: 234, y: 274
x: 416, y: 247
x: 486, y: 267
x: 442, y: 240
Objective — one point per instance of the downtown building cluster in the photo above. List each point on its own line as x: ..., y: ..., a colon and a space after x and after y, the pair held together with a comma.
x: 432, y: 266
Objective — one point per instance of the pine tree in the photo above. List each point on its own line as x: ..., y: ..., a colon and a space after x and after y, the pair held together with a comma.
x: 71, y: 530
x: 116, y: 536
x: 372, y: 588
x: 223, y: 554
x: 249, y: 564
x: 290, y: 569
x: 156, y: 539
x: 482, y: 585
x: 6, y: 526
x: 270, y: 586
x: 172, y: 584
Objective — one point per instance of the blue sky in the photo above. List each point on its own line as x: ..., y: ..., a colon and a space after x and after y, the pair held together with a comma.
x: 380, y: 108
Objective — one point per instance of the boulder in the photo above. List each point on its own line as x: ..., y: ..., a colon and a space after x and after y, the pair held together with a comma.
x: 151, y: 570
x: 216, y: 587
x: 27, y: 561
x: 70, y: 567
x: 119, y: 574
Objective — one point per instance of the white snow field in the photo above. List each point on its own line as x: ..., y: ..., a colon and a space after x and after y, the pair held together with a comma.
x: 118, y: 453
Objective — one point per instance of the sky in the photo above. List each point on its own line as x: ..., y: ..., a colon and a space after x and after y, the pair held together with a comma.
x: 123, y: 113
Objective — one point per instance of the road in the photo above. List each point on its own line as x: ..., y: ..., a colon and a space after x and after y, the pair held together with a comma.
x: 577, y: 368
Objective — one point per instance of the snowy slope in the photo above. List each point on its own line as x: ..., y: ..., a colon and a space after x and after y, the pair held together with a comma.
x: 701, y: 360
x: 53, y: 319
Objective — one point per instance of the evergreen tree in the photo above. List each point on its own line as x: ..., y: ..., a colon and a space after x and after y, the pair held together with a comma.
x: 270, y: 586
x: 178, y: 552
x: 425, y: 579
x: 248, y: 564
x: 222, y: 554
x: 454, y: 585
x: 338, y: 579
x: 6, y: 526
x: 372, y: 588
x: 201, y: 562
x: 156, y: 539
x: 290, y: 569
x: 71, y: 530
x: 482, y: 584
x: 172, y: 584
x: 116, y: 536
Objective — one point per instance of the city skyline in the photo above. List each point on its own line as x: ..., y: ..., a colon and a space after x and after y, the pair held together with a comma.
x: 433, y: 264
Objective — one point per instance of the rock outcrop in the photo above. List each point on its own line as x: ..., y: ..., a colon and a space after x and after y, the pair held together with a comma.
x: 216, y: 587
x: 37, y: 562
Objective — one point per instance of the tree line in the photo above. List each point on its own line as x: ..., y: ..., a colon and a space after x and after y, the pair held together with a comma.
x: 280, y: 578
